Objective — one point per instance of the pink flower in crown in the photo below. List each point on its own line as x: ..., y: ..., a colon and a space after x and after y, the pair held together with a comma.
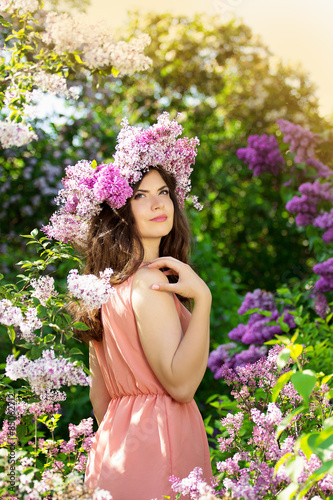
x: 112, y: 187
x: 138, y: 149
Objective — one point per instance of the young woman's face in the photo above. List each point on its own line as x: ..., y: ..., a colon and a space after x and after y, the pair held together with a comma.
x: 152, y: 207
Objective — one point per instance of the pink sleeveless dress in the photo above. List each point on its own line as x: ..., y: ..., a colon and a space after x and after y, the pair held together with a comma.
x: 145, y: 435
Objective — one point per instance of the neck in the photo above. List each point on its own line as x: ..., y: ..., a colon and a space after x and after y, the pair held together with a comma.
x: 151, y: 249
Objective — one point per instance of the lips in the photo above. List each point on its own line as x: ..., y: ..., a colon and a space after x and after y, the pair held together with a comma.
x: 160, y: 218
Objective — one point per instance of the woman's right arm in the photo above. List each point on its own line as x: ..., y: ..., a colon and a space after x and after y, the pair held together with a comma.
x: 99, y: 395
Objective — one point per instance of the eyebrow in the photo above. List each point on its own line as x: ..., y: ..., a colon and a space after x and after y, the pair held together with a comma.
x: 147, y: 191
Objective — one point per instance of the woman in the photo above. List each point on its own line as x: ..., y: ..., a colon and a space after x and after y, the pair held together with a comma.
x: 148, y: 353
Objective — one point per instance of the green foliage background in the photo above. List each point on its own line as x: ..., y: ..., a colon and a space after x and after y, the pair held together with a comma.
x: 227, y: 86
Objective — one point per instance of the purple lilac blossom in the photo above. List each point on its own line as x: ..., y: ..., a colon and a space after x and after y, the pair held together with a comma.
x: 93, y: 291
x: 306, y: 206
x: 302, y: 141
x: 325, y: 270
x: 325, y: 221
x: 259, y: 299
x: 46, y: 374
x: 321, y: 169
x: 262, y: 155
x: 219, y: 356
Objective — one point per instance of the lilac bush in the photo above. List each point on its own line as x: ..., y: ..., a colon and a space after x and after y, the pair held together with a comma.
x: 277, y: 403
x: 35, y: 317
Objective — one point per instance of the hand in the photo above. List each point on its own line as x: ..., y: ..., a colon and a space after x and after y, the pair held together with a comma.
x: 189, y: 284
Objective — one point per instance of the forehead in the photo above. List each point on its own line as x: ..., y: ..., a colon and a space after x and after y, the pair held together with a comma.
x: 152, y: 180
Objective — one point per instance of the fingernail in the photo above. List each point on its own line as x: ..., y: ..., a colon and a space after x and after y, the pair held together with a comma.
x: 155, y: 287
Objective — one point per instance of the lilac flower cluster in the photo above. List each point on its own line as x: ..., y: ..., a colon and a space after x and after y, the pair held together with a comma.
x: 43, y: 289
x: 256, y: 332
x: 325, y: 270
x: 96, y: 43
x: 23, y: 6
x: 193, y: 485
x: 46, y: 374
x: 302, y: 141
x: 92, y: 290
x: 86, y: 186
x: 27, y: 322
x: 15, y: 134
x: 138, y: 149
x: 306, y: 206
x: 325, y: 221
x: 321, y: 169
x: 54, y: 84
x: 262, y: 155
x: 256, y: 476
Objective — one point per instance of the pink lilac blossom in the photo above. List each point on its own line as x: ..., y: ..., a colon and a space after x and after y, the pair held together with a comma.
x: 92, y: 290
x: 138, y: 149
x: 86, y: 186
x: 306, y: 206
x: 193, y: 485
x: 96, y: 44
x: 44, y: 289
x: 15, y: 134
x: 325, y: 270
x: 262, y: 155
x: 302, y: 141
x: 46, y: 374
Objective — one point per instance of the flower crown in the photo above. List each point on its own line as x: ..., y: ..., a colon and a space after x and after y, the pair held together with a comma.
x: 87, y: 185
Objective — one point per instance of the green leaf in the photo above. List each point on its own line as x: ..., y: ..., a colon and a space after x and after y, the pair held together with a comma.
x: 279, y: 384
x: 288, y: 492
x: 11, y: 333
x: 283, y: 358
x: 304, y: 383
x: 21, y: 431
x: 74, y: 351
x: 34, y: 233
x: 286, y: 421
x: 78, y: 325
x: 78, y: 58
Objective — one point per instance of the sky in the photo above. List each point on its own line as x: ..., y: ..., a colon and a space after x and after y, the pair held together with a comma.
x: 297, y: 31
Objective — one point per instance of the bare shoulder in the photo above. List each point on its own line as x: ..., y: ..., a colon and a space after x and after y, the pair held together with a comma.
x: 143, y: 280
x: 145, y: 277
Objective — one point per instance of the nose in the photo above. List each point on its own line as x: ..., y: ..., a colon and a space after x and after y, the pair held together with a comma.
x: 157, y: 202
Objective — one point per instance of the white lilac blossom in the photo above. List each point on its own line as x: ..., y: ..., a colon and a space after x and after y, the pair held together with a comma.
x: 96, y: 43
x: 46, y: 375
x: 53, y: 84
x: 23, y: 6
x: 15, y: 134
x: 93, y: 291
x: 27, y: 321
x: 44, y: 289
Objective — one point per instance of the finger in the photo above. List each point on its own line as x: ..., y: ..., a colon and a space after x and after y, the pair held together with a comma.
x: 165, y: 262
x: 165, y: 287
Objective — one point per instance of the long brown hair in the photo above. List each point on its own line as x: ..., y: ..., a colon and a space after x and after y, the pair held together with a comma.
x: 111, y: 241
